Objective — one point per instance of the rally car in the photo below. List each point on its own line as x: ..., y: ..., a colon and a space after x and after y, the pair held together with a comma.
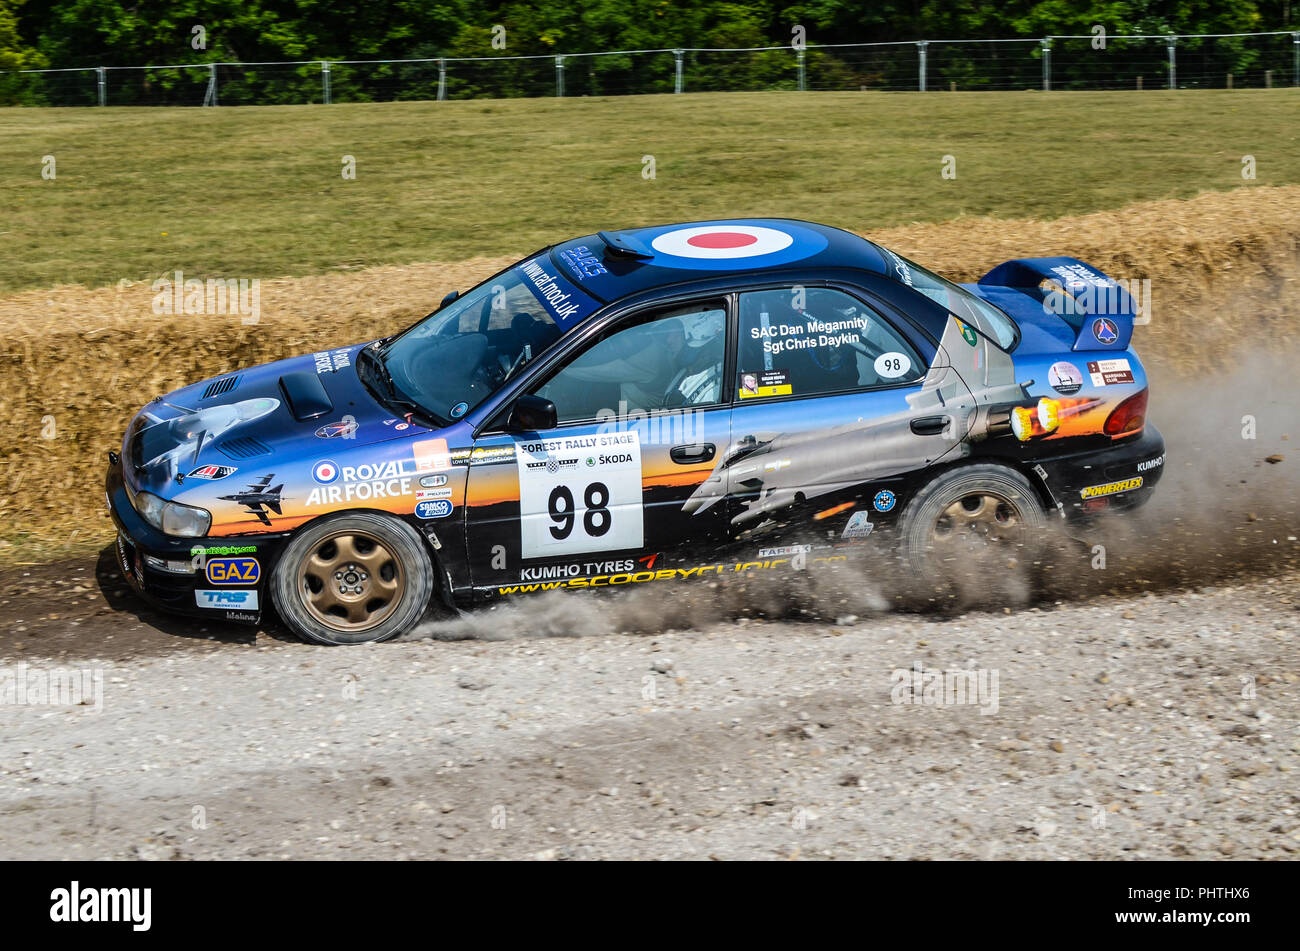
x: 663, y: 405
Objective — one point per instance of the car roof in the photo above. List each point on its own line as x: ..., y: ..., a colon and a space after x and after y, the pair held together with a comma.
x: 611, y: 265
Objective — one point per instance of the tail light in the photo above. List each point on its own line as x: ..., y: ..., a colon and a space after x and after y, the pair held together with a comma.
x: 1128, y: 417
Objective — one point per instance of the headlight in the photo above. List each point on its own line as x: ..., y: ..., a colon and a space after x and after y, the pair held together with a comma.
x: 185, y: 520
x: 171, y: 518
x: 149, y: 506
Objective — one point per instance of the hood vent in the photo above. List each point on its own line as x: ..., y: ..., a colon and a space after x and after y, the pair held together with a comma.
x: 243, y: 447
x: 218, y: 387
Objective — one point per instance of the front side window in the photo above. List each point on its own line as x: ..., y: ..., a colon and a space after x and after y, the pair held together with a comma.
x: 663, y: 360
x: 802, y: 341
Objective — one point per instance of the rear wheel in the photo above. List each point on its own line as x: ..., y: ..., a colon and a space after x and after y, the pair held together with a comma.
x: 353, y: 578
x: 971, y: 519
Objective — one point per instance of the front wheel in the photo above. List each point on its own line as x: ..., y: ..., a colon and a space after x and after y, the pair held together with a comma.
x: 354, y: 578
x: 972, y: 519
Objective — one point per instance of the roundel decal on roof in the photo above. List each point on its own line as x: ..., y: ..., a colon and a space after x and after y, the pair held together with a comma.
x: 724, y: 246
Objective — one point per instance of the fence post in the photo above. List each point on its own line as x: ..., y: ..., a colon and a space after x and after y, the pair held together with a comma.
x: 442, y: 80
x: 1047, y: 63
x: 559, y: 76
x: 1268, y: 79
x: 1170, y: 40
x: 921, y: 75
x: 325, y: 81
x: 1295, y: 65
x: 803, y: 76
x: 677, y: 66
x: 210, y: 94
x: 103, y: 85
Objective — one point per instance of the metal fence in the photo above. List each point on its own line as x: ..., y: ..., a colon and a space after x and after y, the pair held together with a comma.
x: 1201, y: 61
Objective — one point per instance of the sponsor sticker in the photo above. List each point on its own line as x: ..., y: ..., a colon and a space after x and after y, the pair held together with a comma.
x: 859, y: 526
x: 212, y: 550
x: 884, y: 500
x: 333, y: 360
x: 431, y: 455
x: 967, y: 334
x: 233, y: 571
x: 757, y: 383
x: 582, y: 263
x: 212, y: 472
x: 1065, y: 378
x: 381, y: 479
x: 433, y: 508
x: 785, y: 552
x: 1105, y: 330
x: 343, y: 428
x: 227, y: 600
x: 1111, y: 488
x: 1150, y: 464
x: 1108, y: 372
x: 432, y: 481
x: 422, y: 494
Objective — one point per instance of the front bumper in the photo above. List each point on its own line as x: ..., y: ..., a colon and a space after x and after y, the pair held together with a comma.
x: 175, y: 574
x: 1117, y: 478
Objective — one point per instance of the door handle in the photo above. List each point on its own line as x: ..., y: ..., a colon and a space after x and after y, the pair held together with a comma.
x: 930, y: 425
x: 686, y: 455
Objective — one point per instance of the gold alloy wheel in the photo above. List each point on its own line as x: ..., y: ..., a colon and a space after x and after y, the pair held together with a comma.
x: 978, y: 520
x: 350, y: 581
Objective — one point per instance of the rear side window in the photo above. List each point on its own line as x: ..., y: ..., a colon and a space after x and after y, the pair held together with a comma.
x: 959, y: 302
x: 802, y: 341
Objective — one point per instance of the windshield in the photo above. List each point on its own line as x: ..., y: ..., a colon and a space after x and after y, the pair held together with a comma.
x: 959, y: 301
x: 456, y: 357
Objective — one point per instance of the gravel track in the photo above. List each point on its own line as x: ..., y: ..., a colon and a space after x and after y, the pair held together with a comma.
x: 1121, y: 731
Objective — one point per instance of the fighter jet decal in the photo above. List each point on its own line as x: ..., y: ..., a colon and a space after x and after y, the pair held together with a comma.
x: 816, y: 462
x: 259, y: 498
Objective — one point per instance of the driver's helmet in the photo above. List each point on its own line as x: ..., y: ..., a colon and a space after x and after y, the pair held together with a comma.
x: 701, y: 328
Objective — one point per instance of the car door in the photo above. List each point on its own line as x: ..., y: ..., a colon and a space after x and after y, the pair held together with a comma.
x: 833, y: 406
x: 602, y: 499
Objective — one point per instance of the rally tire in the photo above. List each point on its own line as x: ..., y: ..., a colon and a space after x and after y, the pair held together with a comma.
x: 353, y: 579
x: 967, y: 512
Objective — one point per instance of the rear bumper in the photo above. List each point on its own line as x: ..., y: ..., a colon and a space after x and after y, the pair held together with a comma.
x: 1119, y: 477
x: 172, y: 573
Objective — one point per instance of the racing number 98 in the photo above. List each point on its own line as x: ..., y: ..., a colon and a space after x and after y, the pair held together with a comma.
x: 595, y: 522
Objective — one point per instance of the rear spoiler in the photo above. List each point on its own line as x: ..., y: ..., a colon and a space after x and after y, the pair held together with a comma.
x: 1099, y: 309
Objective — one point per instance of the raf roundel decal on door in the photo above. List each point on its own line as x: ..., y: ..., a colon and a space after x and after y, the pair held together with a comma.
x: 726, y: 246
x: 580, y: 494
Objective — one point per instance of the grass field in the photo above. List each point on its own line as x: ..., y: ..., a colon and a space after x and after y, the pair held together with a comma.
x: 258, y: 192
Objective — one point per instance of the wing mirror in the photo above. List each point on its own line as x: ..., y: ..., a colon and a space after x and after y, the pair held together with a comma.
x: 448, y: 299
x: 532, y: 414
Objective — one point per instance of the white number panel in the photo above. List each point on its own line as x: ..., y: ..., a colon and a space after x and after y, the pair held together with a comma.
x: 579, y: 494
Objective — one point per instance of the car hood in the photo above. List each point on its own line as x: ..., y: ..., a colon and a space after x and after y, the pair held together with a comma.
x: 261, y: 415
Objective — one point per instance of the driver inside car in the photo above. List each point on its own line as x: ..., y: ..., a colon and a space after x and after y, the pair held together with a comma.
x: 642, y: 360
